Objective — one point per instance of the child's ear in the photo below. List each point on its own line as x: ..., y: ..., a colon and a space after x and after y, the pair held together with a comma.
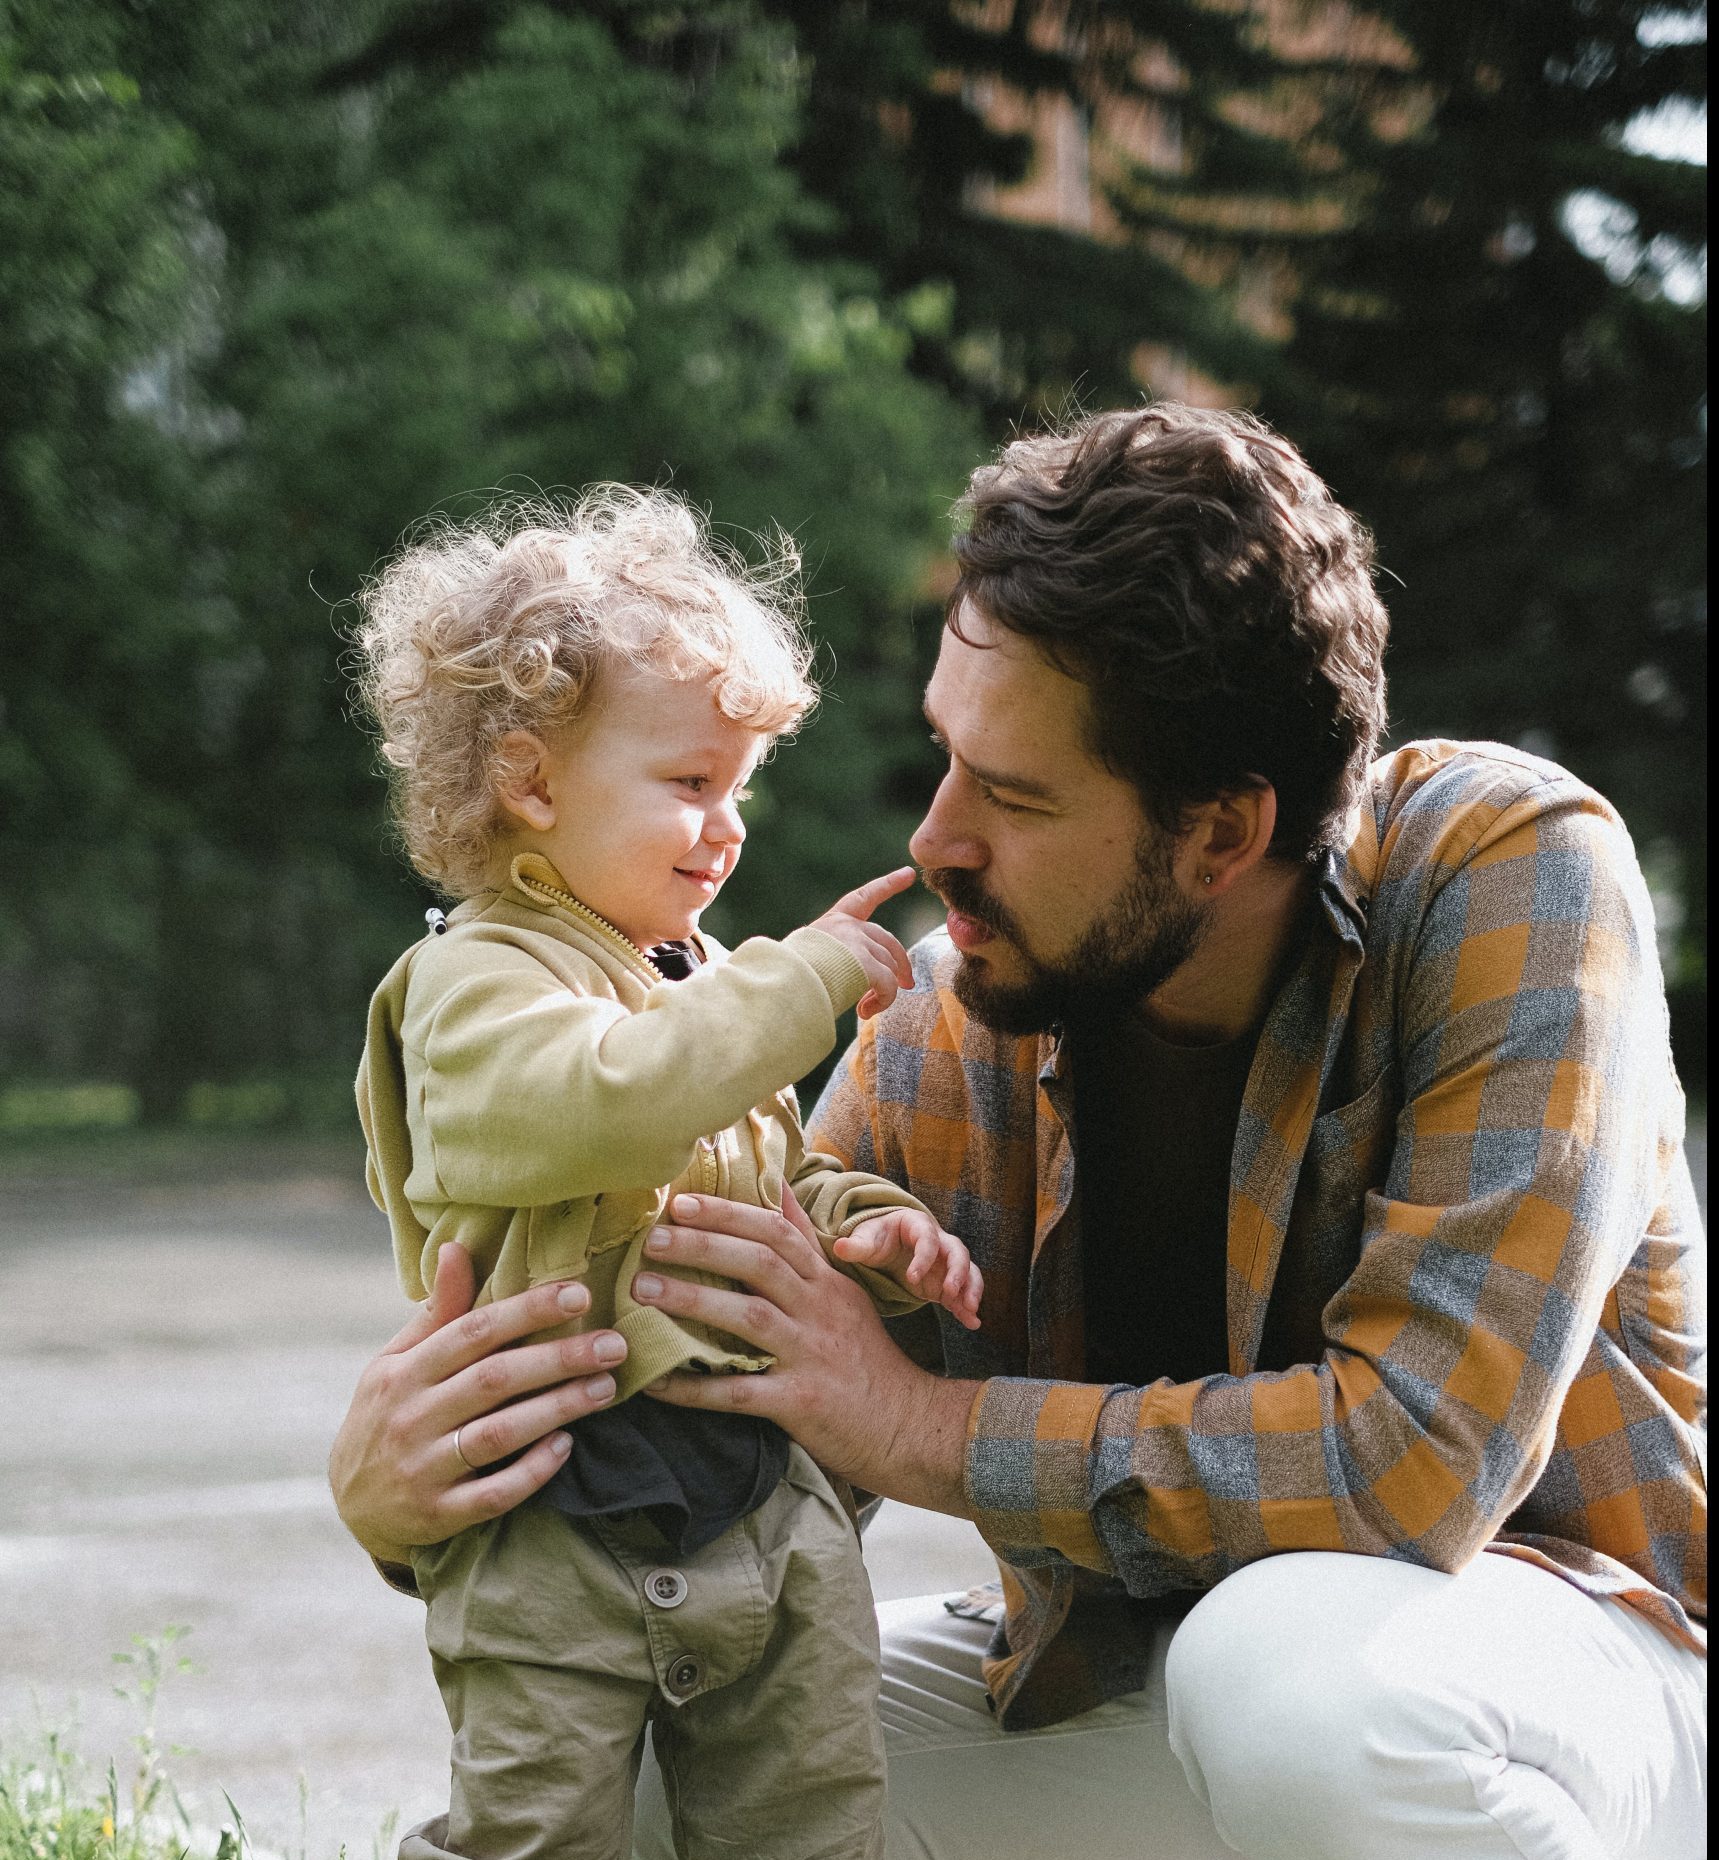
x: 522, y: 780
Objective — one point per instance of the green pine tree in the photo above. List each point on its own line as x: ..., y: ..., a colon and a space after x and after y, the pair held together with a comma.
x: 99, y: 645
x: 1500, y: 359
x: 574, y: 258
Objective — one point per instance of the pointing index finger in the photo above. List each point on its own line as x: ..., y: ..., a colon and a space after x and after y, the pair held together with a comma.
x: 864, y: 899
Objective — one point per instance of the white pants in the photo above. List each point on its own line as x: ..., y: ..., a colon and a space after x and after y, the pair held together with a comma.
x: 1313, y: 1707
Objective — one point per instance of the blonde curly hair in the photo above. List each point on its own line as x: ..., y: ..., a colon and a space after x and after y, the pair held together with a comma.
x: 507, y: 621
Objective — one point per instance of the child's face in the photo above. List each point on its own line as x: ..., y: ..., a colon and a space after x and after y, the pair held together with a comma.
x: 645, y: 791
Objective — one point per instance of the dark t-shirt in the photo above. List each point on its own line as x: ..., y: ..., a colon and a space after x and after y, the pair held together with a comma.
x: 692, y: 1473
x: 1155, y: 1126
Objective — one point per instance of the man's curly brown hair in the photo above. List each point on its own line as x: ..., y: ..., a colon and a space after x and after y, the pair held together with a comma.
x: 1193, y: 572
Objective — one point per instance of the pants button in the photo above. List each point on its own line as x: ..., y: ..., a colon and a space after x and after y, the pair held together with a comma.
x: 684, y: 1675
x: 665, y: 1587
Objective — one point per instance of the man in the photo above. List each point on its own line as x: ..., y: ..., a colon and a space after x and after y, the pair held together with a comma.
x: 1337, y: 1411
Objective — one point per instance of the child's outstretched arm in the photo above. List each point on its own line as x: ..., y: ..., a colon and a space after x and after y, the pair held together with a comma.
x: 536, y: 1093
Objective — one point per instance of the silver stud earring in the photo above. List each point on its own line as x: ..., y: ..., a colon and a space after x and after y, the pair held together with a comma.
x: 1205, y: 878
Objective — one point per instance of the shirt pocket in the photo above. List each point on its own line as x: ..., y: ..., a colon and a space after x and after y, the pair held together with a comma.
x: 1348, y: 1149
x: 1348, y: 1156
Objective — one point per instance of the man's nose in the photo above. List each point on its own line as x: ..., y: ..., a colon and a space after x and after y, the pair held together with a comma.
x: 943, y: 837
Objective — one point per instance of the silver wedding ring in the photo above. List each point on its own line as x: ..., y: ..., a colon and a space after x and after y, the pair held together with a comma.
x: 461, y: 1450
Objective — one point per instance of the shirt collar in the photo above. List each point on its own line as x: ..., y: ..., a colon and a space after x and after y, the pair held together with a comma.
x: 1347, y: 876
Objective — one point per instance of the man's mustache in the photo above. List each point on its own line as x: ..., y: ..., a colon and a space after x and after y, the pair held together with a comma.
x: 960, y: 890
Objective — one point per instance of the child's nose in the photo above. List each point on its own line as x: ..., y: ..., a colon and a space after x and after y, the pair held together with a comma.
x: 724, y: 826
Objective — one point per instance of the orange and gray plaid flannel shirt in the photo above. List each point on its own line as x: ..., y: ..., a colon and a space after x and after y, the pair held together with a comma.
x: 1465, y: 1274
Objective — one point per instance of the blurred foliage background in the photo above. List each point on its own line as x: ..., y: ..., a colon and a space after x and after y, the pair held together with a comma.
x: 275, y: 281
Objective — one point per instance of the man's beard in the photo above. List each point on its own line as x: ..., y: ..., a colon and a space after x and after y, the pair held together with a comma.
x: 1133, y: 948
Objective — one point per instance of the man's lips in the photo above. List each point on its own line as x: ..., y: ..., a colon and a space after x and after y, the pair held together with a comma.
x: 968, y: 933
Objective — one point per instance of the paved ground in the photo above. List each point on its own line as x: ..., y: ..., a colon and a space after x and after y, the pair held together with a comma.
x: 179, y: 1333
x: 174, y: 1356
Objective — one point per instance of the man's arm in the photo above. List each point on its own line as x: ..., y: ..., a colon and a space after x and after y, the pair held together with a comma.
x: 839, y: 1385
x: 1530, y: 1050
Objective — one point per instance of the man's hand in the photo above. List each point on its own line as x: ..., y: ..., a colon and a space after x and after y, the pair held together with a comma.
x: 914, y: 1251
x: 887, y: 965
x: 839, y: 1386
x: 397, y: 1475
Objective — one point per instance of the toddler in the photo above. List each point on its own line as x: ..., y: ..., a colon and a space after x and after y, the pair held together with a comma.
x: 572, y: 703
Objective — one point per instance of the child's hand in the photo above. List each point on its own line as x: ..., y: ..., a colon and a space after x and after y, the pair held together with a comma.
x: 937, y: 1266
x: 884, y: 960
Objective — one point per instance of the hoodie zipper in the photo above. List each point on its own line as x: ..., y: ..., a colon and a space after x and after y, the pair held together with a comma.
x: 637, y: 959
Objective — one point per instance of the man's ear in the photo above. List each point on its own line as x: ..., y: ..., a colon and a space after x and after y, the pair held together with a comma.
x: 1228, y: 838
x: 521, y: 776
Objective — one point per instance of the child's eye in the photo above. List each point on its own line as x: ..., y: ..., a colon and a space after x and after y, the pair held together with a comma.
x: 697, y: 783
x: 743, y: 794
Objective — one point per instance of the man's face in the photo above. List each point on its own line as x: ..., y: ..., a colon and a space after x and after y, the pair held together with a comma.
x: 1063, y: 897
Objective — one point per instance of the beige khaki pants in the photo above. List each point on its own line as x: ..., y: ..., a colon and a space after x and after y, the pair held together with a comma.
x: 753, y: 1661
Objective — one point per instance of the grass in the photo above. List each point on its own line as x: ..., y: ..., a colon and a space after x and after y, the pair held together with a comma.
x: 55, y: 1806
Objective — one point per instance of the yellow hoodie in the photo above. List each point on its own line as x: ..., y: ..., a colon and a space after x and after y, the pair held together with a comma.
x: 532, y: 1088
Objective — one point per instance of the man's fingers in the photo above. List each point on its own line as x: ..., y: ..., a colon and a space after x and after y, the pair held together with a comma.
x: 477, y: 1334
x: 864, y: 899
x: 797, y: 1217
x: 454, y: 1291
x: 495, y: 1381
x: 792, y: 1242
x: 746, y: 1315
x: 504, y: 1431
x: 450, y: 1297
x: 421, y: 1324
x: 742, y: 1394
x: 474, y: 1501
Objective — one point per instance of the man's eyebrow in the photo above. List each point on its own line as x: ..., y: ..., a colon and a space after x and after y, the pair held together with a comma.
x: 997, y: 778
